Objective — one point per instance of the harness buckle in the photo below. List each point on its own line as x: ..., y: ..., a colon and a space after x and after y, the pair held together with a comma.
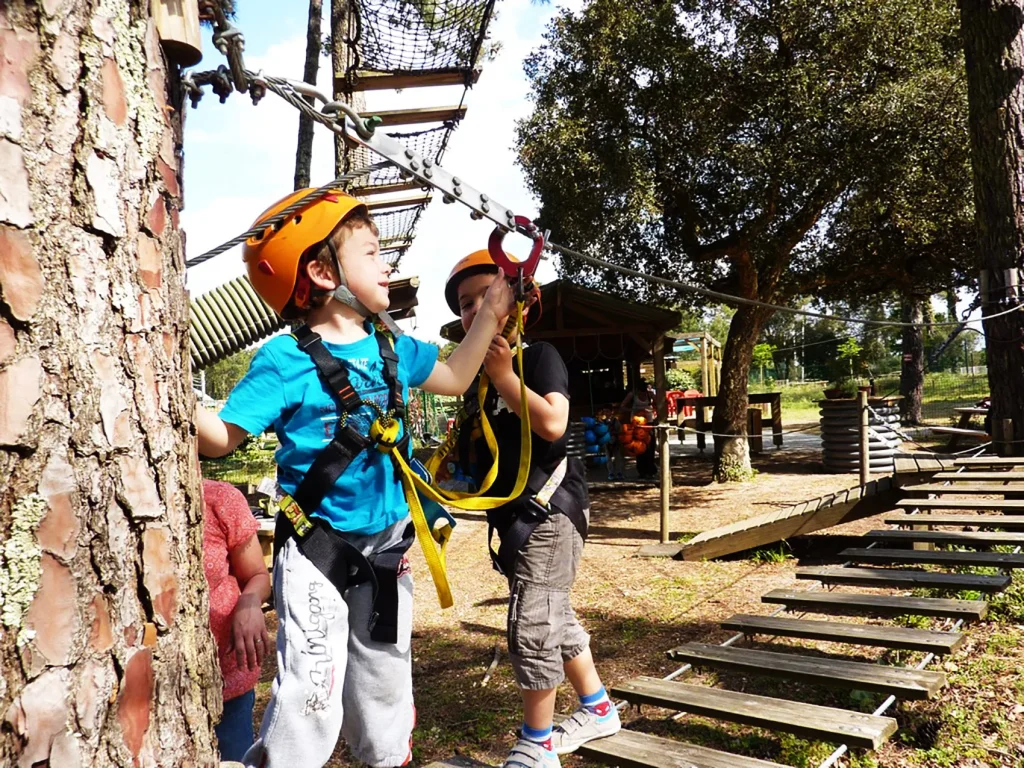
x: 291, y: 510
x: 537, y: 510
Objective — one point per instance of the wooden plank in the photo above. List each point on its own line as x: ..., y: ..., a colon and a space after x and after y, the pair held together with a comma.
x: 386, y: 189
x: 809, y: 721
x: 842, y: 603
x: 397, y: 202
x: 914, y: 465
x: 963, y: 488
x: 856, y: 503
x: 972, y: 411
x: 1009, y: 504
x: 418, y: 115
x: 425, y: 78
x: 1009, y: 522
x: 842, y: 632
x: 904, y: 578
x: 960, y: 538
x: 991, y: 461
x: 629, y: 749
x: 669, y: 549
x: 957, y: 477
x: 988, y: 559
x: 896, y: 681
x: 960, y: 431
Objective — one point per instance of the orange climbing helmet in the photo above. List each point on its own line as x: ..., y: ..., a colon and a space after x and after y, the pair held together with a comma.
x: 272, y: 258
x: 477, y: 263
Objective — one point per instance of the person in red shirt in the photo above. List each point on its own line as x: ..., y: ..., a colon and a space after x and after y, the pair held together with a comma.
x: 239, y: 585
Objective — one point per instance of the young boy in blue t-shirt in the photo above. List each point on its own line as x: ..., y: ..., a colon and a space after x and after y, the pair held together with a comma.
x: 335, y: 676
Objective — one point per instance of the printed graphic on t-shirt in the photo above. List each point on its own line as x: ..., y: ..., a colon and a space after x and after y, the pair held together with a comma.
x: 361, y: 418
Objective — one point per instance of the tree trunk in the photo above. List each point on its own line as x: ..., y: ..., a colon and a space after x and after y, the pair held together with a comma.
x: 304, y: 150
x: 994, y: 54
x: 912, y: 368
x: 345, y: 158
x: 106, y: 657
x: 732, y: 457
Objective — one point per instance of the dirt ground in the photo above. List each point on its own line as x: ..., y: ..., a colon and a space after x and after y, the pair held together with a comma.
x: 636, y: 609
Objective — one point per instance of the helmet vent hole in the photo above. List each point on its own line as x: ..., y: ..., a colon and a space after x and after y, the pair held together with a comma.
x: 298, y: 219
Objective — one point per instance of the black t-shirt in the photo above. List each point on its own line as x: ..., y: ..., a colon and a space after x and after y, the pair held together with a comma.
x: 545, y: 373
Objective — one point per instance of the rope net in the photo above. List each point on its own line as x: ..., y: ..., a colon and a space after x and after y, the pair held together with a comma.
x: 429, y: 143
x: 418, y: 35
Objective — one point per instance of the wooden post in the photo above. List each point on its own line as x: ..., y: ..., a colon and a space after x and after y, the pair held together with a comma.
x: 177, y: 24
x: 865, y: 437
x: 666, y: 480
x: 755, y: 430
x: 704, y: 376
x: 1003, y: 437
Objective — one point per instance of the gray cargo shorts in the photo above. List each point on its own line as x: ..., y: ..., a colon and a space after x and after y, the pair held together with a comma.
x: 543, y: 631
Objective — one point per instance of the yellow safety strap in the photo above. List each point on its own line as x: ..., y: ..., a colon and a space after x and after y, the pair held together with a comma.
x: 413, y: 485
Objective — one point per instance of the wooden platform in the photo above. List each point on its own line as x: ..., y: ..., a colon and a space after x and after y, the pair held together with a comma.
x: 848, y: 603
x: 1005, y: 504
x: 629, y: 749
x: 420, y: 78
x: 1010, y: 522
x: 965, y: 488
x: 991, y: 461
x: 961, y: 538
x: 896, y: 681
x: 823, y: 512
x: 808, y: 721
x: 900, y: 578
x: 916, y: 465
x: 959, y: 477
x: 419, y: 115
x: 843, y: 632
x: 934, y: 557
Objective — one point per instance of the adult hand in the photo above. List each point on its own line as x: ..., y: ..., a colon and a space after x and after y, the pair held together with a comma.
x: 249, y: 635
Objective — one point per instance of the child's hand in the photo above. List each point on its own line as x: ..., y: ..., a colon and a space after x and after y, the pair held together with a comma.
x: 499, y: 298
x: 249, y: 635
x: 498, y: 360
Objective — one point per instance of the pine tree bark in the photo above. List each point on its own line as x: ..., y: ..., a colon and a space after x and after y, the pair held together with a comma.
x: 304, y: 150
x: 106, y: 657
x: 345, y: 158
x: 994, y: 52
x: 912, y: 367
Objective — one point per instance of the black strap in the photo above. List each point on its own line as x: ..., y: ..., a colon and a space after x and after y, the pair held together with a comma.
x: 344, y: 566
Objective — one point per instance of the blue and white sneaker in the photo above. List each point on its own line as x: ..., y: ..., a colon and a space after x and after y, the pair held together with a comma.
x: 531, y: 754
x: 583, y: 725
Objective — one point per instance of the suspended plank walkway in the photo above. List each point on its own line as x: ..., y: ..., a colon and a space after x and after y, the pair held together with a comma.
x: 998, y: 526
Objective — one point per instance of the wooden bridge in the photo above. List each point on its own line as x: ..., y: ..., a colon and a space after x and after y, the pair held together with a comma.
x: 933, y: 512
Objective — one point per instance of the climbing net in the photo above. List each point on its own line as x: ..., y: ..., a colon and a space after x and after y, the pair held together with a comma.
x: 417, y: 35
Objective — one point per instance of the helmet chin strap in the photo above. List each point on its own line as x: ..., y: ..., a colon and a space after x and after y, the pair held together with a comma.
x: 346, y: 297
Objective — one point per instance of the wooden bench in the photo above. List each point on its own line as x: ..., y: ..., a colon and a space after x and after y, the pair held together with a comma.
x: 1009, y: 522
x: 904, y: 578
x: 958, y: 538
x: 629, y: 749
x: 966, y: 488
x: 845, y: 604
x: 858, y: 675
x: 990, y: 461
x: 926, y: 640
x: 1015, y: 505
x: 808, y: 721
x: 933, y: 557
x: 962, y: 428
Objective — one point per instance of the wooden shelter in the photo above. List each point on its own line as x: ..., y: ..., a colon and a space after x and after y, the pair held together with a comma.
x: 603, y: 340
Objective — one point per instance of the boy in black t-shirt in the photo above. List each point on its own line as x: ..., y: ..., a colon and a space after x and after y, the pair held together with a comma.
x: 541, y: 533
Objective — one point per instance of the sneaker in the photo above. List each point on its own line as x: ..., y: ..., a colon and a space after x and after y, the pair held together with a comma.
x: 530, y: 754
x: 582, y: 726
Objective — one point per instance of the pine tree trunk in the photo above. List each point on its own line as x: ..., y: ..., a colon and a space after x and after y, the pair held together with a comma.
x: 106, y: 657
x: 994, y: 53
x: 304, y: 150
x: 912, y: 368
x: 345, y: 158
x: 732, y: 455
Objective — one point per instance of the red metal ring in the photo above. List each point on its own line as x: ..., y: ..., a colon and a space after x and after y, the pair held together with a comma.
x: 511, y: 268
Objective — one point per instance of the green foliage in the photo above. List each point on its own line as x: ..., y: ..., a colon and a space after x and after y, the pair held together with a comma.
x: 771, y: 554
x: 221, y: 377
x: 719, y: 140
x: 680, y: 378
x: 762, y: 356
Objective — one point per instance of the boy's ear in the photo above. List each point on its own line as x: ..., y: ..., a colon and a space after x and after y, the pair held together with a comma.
x: 321, y: 275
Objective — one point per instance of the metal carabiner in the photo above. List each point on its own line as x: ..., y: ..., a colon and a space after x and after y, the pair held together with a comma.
x: 523, y: 269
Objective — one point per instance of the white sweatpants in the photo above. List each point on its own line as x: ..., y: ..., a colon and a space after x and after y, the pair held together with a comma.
x: 331, y: 677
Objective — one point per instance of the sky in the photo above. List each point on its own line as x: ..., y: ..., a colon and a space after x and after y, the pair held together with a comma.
x: 240, y: 158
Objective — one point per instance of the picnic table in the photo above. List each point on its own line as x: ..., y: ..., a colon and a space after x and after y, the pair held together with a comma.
x: 963, y: 427
x: 772, y: 399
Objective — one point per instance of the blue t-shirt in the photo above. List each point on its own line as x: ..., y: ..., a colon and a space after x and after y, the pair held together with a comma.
x: 283, y: 390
